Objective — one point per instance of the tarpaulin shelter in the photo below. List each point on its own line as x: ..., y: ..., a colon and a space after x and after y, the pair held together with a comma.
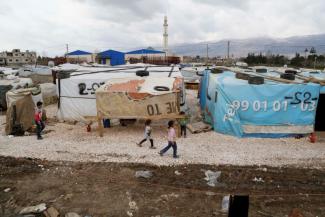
x: 273, y: 109
x: 139, y: 98
x: 21, y: 109
x: 76, y: 92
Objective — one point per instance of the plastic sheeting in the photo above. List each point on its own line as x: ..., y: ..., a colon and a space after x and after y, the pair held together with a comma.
x: 232, y: 106
x: 138, y: 98
x: 25, y: 108
x: 77, y: 94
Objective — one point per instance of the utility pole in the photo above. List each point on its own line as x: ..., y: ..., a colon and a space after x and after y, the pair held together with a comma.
x: 207, y: 60
x: 228, y: 49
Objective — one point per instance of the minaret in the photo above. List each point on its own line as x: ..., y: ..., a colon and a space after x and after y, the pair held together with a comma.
x: 165, y: 35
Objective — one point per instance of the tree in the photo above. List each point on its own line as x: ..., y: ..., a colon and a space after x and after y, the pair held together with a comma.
x: 312, y: 50
x: 297, y: 60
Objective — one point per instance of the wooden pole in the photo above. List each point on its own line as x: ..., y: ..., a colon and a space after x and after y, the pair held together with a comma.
x: 100, y: 124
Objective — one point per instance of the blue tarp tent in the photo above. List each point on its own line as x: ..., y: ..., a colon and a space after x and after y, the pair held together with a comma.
x: 234, y: 107
x: 115, y: 57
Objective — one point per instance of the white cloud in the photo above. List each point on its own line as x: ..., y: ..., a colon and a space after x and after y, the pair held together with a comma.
x: 46, y: 26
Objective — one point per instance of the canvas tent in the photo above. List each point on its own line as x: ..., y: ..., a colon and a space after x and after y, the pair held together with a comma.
x: 76, y: 92
x: 9, y: 82
x: 20, y: 109
x: 273, y: 109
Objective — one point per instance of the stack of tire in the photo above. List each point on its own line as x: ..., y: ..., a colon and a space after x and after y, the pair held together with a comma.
x: 289, y: 75
x: 256, y: 80
x: 63, y: 74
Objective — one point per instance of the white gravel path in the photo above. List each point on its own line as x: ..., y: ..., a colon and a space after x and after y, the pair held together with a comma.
x: 72, y: 143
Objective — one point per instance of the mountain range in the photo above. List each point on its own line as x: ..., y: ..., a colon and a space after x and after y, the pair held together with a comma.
x: 241, y: 47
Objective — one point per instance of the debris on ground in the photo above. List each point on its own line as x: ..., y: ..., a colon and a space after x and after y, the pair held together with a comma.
x: 7, y: 190
x: 51, y: 212
x: 33, y: 209
x: 212, y: 177
x: 210, y: 193
x: 296, y: 213
x: 258, y: 179
x: 143, y: 174
x: 177, y: 173
x: 199, y: 127
x: 167, y: 197
x: 72, y: 214
x: 225, y: 204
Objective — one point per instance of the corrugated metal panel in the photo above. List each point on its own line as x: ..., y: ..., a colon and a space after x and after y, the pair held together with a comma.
x: 116, y: 57
x: 145, y: 51
x: 79, y: 52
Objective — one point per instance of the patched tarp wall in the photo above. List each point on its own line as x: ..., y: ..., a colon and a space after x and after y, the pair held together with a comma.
x: 137, y: 98
x: 25, y: 109
x: 232, y: 106
x: 77, y: 94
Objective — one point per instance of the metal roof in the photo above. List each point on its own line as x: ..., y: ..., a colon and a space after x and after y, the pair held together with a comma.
x: 79, y: 52
x: 109, y: 53
x: 145, y: 51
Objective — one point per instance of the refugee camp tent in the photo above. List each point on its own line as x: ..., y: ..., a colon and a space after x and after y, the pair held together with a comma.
x: 21, y: 108
x: 145, y: 97
x: 8, y: 82
x: 273, y: 109
x: 76, y: 92
x: 320, y: 114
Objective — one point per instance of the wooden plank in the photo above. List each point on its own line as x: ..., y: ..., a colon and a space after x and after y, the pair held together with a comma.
x: 100, y: 124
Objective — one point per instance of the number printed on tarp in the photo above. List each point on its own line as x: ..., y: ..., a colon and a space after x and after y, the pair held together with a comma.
x: 91, y: 89
x: 276, y: 106
x: 170, y: 108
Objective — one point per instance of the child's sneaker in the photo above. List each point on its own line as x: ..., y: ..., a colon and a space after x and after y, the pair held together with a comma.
x: 176, y: 156
x: 161, y: 154
x: 153, y: 147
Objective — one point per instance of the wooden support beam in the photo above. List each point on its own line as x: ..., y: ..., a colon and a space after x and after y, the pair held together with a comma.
x: 100, y: 124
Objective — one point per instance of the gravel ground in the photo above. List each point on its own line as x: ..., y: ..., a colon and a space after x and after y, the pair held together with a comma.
x: 72, y: 143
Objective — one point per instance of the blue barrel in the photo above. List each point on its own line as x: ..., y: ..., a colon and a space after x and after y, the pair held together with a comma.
x: 106, y: 123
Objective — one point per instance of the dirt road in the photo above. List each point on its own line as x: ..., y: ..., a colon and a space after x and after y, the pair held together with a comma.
x: 111, y: 189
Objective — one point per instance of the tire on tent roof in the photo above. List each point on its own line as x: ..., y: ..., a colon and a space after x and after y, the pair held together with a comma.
x: 289, y: 71
x: 161, y: 88
x: 216, y: 71
x: 242, y: 76
x: 261, y: 70
x: 288, y: 76
x: 142, y: 73
x: 63, y: 75
x: 256, y: 80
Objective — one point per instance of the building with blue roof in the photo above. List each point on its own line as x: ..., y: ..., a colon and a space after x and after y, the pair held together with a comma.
x: 146, y: 52
x: 144, y: 55
x: 80, y: 56
x: 111, y: 57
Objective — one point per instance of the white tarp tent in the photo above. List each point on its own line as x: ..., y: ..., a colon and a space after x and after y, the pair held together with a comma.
x: 77, y: 93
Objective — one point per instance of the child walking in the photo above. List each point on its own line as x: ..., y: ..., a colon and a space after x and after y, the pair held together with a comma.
x: 183, y: 122
x: 38, y: 118
x: 147, y: 134
x: 171, y: 140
